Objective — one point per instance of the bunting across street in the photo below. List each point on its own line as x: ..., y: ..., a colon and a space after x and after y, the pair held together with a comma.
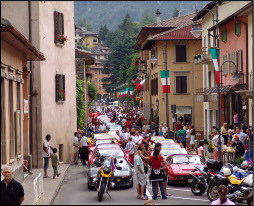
x: 131, y: 92
x: 165, y: 76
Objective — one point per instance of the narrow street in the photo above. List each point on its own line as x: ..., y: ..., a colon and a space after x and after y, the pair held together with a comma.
x: 74, y: 191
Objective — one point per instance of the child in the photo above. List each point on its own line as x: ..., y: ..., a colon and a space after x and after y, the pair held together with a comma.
x: 55, y: 161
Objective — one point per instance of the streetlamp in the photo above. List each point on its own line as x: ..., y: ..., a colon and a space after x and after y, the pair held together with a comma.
x: 154, y: 60
x: 196, y: 31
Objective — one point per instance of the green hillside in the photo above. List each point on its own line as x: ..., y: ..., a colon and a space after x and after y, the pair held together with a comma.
x: 111, y: 13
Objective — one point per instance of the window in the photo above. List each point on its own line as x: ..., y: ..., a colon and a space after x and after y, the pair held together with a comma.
x: 18, y: 122
x: 59, y: 24
x: 60, y: 87
x: 239, y: 58
x: 237, y: 28
x: 11, y: 118
x: 225, y: 65
x: 181, y: 55
x: 181, y: 84
x: 95, y: 40
x: 224, y: 35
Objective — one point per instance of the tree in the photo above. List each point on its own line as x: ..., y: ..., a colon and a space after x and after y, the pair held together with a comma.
x: 148, y: 17
x: 83, y: 23
x: 80, y: 103
x: 103, y: 33
x: 127, y: 26
x: 91, y: 90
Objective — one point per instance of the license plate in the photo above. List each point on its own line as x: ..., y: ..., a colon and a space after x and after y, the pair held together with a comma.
x: 118, y: 179
x: 190, y: 180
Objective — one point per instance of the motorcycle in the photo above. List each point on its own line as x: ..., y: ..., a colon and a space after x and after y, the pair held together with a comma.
x: 200, y: 183
x: 231, y: 182
x: 105, y: 177
x: 240, y: 194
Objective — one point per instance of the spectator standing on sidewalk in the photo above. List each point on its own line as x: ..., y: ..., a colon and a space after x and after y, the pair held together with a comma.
x: 222, y: 200
x: 46, y: 154
x: 192, y: 138
x: 55, y: 163
x: 12, y: 192
x: 131, y: 146
x: 216, y: 148
x: 84, y: 149
x: 76, y: 148
x: 250, y: 139
x: 188, y: 135
x: 224, y: 133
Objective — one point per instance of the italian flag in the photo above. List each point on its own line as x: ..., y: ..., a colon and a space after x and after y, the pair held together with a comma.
x: 131, y: 92
x: 140, y: 84
x: 165, y: 76
x: 125, y: 92
x: 215, y: 56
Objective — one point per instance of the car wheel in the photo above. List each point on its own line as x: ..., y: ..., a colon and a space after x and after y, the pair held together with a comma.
x: 168, y: 181
x: 131, y: 186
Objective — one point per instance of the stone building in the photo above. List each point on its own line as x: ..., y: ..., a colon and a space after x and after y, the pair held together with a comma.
x: 52, y: 83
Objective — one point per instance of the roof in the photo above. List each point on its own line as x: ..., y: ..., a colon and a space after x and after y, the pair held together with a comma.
x: 177, y: 33
x: 225, y: 88
x: 182, y: 33
x: 173, y: 22
x: 83, y: 54
x: 100, y: 50
x: 14, y: 38
x: 202, y: 13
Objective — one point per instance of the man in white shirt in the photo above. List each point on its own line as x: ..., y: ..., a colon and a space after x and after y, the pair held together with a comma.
x: 84, y: 149
x: 46, y: 154
x: 145, y: 127
x: 76, y: 148
x: 215, y: 144
x: 242, y: 136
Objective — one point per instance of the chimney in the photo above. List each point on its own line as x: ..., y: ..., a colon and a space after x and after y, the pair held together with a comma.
x: 158, y: 18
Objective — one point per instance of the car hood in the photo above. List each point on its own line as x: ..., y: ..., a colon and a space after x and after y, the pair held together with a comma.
x: 126, y: 171
x: 183, y: 167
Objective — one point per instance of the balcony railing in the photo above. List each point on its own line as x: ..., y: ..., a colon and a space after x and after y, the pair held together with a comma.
x: 202, y: 56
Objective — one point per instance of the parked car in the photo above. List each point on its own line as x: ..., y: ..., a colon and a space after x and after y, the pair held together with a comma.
x: 180, y: 167
x: 111, y: 151
x: 123, y: 177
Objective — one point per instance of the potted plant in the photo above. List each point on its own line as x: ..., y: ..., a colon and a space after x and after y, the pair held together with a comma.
x: 195, y: 59
x: 210, y: 149
x: 61, y: 39
x: 61, y: 95
x: 199, y: 57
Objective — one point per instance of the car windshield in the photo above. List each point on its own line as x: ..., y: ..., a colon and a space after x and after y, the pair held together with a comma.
x: 157, y: 137
x: 188, y: 159
x: 164, y: 141
x: 171, y: 146
x: 116, y: 153
x: 167, y: 152
x: 108, y: 145
x: 104, y: 141
x: 115, y: 127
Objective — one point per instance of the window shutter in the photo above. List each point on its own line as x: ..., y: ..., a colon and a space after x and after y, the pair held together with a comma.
x: 62, y: 22
x: 235, y: 60
x: 230, y: 64
x: 157, y: 86
x: 224, y: 35
x: 240, y: 55
x: 181, y: 53
x: 238, y: 28
x: 56, y: 31
x: 184, y: 84
x: 225, y: 68
x: 178, y: 84
x: 64, y: 87
x: 57, y: 87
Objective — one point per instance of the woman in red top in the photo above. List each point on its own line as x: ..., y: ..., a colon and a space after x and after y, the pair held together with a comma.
x: 157, y: 173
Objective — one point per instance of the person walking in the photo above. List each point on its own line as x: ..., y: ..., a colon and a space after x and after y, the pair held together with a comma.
x: 140, y: 172
x: 131, y: 147
x: 76, y: 148
x: 46, y: 154
x: 222, y: 200
x: 224, y: 133
x: 12, y: 192
x: 55, y: 162
x: 84, y: 149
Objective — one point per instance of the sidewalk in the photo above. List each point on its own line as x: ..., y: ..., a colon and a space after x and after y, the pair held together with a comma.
x: 50, y: 185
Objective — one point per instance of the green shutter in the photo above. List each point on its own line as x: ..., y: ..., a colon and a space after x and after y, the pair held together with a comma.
x: 238, y: 28
x: 224, y: 35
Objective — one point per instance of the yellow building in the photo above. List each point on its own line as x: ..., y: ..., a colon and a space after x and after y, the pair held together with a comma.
x: 174, y: 49
x: 90, y: 39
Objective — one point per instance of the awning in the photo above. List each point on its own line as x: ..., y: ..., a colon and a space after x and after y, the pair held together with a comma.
x: 227, y: 88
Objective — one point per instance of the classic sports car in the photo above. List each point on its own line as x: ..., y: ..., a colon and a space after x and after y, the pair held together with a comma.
x: 167, y: 152
x: 110, y: 151
x: 157, y: 137
x: 123, y: 177
x: 166, y: 145
x: 180, y: 166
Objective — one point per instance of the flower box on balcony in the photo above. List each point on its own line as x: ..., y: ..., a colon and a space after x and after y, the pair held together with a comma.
x: 60, y: 44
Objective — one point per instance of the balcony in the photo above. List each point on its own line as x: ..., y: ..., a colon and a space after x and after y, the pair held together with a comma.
x: 202, y: 56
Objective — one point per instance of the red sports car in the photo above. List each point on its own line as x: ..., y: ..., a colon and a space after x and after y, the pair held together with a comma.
x: 180, y: 166
x: 111, y: 151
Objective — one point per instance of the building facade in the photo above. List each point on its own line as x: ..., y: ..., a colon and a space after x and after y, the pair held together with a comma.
x: 174, y: 48
x: 52, y: 82
x: 100, y: 53
x: 232, y: 48
x: 16, y: 51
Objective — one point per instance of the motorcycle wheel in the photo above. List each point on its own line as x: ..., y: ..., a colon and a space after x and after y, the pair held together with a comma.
x: 212, y: 192
x: 195, y: 188
x: 101, y: 192
x: 89, y: 186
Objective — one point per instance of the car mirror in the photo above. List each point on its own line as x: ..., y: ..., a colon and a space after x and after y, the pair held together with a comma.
x: 119, y: 168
